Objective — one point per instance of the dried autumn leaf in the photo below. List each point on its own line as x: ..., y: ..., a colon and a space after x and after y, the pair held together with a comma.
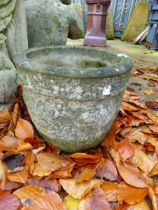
x: 154, y: 128
x: 152, y: 105
x: 86, y: 175
x: 50, y: 161
x: 136, y: 135
x: 126, y: 149
x: 154, y: 171
x: 24, y: 129
x: 24, y: 146
x: 153, y: 199
x: 9, y: 142
x: 131, y: 95
x: 79, y: 190
x: 109, y: 140
x: 128, y: 107
x: 64, y: 172
x: 110, y: 190
x: 47, y: 202
x: 40, y: 171
x: 88, y: 158
x: 123, y: 192
x: 28, y: 193
x: 106, y: 169
x: 139, y: 206
x: 95, y: 200
x: 131, y: 195
x: 71, y: 203
x: 19, y: 177
x: 132, y: 178
x: 5, y: 116
x: 45, y: 183
x: 148, y: 92
x: 143, y: 161
x: 9, y: 201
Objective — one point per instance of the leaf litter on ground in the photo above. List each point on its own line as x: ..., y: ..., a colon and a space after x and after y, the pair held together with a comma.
x: 119, y: 174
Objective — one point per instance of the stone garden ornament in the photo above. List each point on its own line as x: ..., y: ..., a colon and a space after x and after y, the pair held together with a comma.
x: 13, y: 39
x: 50, y: 22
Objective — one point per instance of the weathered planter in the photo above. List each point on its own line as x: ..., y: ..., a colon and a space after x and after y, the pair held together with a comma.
x: 73, y: 94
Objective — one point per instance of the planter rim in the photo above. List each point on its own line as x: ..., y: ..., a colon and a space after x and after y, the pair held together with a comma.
x: 28, y: 65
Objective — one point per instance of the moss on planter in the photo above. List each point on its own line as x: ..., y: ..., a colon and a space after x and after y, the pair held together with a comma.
x: 136, y: 22
x: 109, y: 26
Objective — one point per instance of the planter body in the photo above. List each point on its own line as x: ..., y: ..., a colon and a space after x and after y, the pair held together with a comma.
x: 73, y: 94
x: 96, y: 23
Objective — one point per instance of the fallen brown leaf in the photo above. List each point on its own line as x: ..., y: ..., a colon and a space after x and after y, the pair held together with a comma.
x: 95, y: 200
x: 79, y: 190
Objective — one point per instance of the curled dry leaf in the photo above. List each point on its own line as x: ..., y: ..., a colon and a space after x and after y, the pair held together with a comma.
x: 79, y: 190
x: 64, y: 172
x: 47, y: 202
x: 136, y: 135
x: 24, y: 129
x: 143, y: 161
x: 9, y: 201
x: 88, y: 158
x: 95, y: 200
x: 106, y: 169
x: 154, y: 128
x: 123, y: 192
x: 24, y: 146
x: 50, y: 161
x: 86, y: 175
x: 126, y: 149
x: 131, y: 177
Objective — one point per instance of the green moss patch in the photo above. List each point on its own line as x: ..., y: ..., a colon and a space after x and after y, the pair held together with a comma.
x: 137, y: 22
x: 109, y: 26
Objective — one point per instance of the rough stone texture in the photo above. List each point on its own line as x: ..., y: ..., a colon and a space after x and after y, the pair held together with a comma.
x: 13, y: 39
x: 49, y: 22
x: 7, y: 79
x: 17, y: 31
x: 73, y: 94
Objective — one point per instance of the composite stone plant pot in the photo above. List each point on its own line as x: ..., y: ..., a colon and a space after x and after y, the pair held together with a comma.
x: 73, y: 94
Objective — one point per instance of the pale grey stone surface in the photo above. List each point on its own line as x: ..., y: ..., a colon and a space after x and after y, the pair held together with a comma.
x: 13, y: 40
x: 73, y: 94
x: 49, y: 22
x: 7, y: 79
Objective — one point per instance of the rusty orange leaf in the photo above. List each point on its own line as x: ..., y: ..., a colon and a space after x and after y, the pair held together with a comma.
x: 24, y: 129
x: 86, y: 175
x: 123, y: 192
x: 126, y: 149
x: 19, y: 177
